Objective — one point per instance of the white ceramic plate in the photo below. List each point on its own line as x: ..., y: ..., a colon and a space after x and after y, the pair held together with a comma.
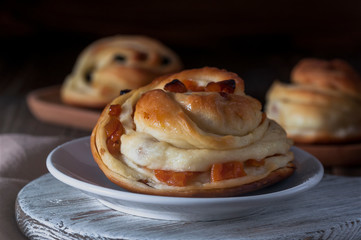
x: 73, y: 164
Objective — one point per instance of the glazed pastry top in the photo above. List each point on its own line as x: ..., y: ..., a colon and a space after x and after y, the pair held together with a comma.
x: 190, y: 121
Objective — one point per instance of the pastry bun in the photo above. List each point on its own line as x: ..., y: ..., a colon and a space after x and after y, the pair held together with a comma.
x: 191, y: 134
x: 115, y: 64
x: 321, y: 105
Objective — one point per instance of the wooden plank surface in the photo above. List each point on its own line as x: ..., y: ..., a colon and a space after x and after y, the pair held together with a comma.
x: 49, y: 209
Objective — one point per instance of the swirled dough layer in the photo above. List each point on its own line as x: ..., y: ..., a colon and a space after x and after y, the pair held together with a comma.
x: 190, y: 131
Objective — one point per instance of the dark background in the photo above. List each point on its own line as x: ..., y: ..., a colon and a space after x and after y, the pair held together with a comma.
x: 259, y: 40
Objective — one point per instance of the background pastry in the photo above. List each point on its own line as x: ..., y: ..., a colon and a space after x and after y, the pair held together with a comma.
x: 114, y: 64
x: 321, y: 105
x: 193, y: 133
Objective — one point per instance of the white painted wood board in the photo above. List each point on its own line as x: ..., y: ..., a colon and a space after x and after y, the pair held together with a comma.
x: 49, y: 209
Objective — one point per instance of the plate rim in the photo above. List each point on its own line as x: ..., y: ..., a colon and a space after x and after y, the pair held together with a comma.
x: 146, y: 198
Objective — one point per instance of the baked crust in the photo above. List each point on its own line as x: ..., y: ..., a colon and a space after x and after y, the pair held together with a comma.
x: 113, y: 64
x: 155, y: 137
x: 321, y: 105
x: 335, y: 74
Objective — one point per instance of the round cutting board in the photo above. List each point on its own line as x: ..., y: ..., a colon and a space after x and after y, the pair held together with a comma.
x: 48, y: 209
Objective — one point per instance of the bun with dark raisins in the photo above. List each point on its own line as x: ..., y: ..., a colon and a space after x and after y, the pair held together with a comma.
x: 113, y: 65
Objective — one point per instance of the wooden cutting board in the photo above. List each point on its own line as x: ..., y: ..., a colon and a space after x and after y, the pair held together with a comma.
x: 335, y: 155
x: 48, y: 209
x: 338, y: 159
x: 46, y: 105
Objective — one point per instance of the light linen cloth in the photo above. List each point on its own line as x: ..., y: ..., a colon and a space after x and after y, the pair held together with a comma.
x: 22, y: 159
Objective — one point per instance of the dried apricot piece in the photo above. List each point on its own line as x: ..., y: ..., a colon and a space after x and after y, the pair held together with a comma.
x: 175, y: 86
x: 227, y: 86
x: 113, y: 147
x: 193, y: 86
x: 228, y: 170
x: 112, y: 126
x: 173, y: 178
x: 114, y: 110
x: 114, y: 131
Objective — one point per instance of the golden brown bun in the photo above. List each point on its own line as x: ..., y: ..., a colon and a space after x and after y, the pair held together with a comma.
x: 186, y: 126
x: 335, y: 75
x: 321, y: 105
x: 113, y: 64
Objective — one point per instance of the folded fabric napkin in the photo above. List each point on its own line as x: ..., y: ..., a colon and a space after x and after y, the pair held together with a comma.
x: 22, y: 159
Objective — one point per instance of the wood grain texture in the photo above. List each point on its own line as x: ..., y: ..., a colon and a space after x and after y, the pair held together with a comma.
x: 46, y: 105
x: 49, y: 209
